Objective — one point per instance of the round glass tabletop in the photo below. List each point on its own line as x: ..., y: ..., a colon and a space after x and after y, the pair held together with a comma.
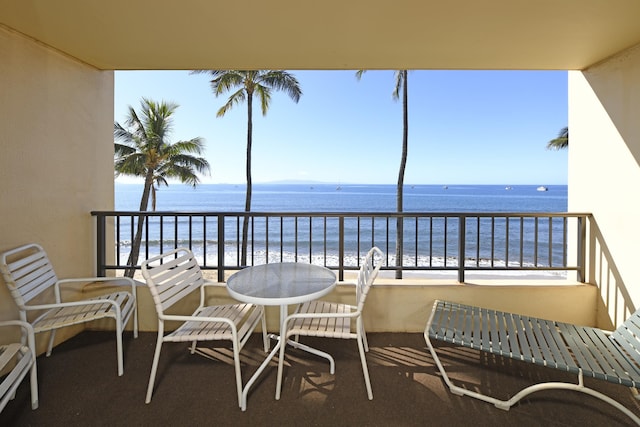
x: 281, y: 283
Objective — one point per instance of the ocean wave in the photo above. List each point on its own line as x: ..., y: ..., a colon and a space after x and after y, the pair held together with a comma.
x: 352, y: 261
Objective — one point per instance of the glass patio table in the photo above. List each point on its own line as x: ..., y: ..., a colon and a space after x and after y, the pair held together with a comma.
x: 280, y: 284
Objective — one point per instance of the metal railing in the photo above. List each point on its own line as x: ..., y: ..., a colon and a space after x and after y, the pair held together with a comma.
x: 459, y: 242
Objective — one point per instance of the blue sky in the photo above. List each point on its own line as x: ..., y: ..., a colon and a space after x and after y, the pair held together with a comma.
x: 465, y: 127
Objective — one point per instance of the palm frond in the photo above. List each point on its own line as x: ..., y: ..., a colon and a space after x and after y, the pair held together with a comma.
x: 236, y: 98
x: 283, y: 81
x: 399, y: 78
x: 264, y: 94
x: 561, y: 142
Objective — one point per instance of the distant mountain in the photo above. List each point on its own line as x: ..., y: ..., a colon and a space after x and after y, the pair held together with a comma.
x: 296, y: 181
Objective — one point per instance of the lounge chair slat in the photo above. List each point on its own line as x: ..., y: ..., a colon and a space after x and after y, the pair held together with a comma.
x: 494, y: 338
x: 532, y: 342
x: 503, y: 335
x: 562, y: 359
x: 514, y: 346
x: 629, y: 343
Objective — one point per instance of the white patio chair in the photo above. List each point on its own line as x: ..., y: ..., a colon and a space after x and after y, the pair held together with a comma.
x: 176, y: 274
x: 334, y: 320
x: 24, y: 359
x: 28, y: 273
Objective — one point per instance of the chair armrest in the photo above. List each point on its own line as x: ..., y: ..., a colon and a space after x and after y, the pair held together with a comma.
x: 72, y: 304
x: 208, y: 282
x: 24, y: 325
x: 113, y: 281
x: 27, y: 328
x: 125, y: 281
x: 181, y: 318
x: 322, y: 315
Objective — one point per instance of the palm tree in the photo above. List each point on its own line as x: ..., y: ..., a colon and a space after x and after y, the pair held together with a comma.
x: 245, y: 84
x: 401, y: 84
x: 145, y: 151
x: 561, y: 142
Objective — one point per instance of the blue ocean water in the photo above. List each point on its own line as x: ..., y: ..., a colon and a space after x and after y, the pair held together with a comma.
x: 348, y: 198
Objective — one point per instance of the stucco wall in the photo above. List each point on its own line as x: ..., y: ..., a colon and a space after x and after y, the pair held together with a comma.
x: 56, y: 139
x: 604, y: 176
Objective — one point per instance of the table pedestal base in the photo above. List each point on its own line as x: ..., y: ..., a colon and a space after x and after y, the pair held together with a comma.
x: 274, y: 351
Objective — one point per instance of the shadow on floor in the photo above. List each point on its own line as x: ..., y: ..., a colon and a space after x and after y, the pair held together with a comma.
x: 79, y: 386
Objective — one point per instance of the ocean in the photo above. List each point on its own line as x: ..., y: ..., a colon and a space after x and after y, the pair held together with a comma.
x: 348, y: 198
x: 271, y: 198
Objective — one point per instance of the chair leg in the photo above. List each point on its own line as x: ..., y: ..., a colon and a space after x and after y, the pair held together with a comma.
x: 154, y: 367
x: 119, y: 346
x: 34, y: 385
x: 364, y: 336
x: 365, y: 371
x: 52, y: 336
x: 29, y: 340
x: 236, y: 360
x: 135, y: 319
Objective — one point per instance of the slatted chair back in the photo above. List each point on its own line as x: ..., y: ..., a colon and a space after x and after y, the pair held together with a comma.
x: 367, y: 275
x: 27, y: 272
x: 171, y: 277
x: 627, y: 337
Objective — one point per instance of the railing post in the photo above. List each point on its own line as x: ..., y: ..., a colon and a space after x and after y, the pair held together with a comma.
x: 462, y: 232
x: 341, y: 248
x: 581, y: 247
x: 101, y: 255
x: 221, y: 220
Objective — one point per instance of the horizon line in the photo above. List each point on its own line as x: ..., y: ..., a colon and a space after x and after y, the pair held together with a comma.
x: 293, y: 182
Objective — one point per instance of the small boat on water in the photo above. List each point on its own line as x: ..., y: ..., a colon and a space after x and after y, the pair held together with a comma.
x: 508, y: 187
x: 542, y: 188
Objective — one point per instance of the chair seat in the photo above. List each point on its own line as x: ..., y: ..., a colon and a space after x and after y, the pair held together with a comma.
x: 328, y: 327
x: 242, y: 315
x: 73, y: 315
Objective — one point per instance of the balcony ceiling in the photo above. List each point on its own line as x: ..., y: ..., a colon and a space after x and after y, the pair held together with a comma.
x: 330, y: 34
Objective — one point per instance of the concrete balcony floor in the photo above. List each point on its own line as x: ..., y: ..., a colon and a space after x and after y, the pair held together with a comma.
x: 79, y: 386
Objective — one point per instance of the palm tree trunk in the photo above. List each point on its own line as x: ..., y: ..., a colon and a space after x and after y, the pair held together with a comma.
x: 403, y: 165
x: 247, y: 204
x: 135, y: 245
